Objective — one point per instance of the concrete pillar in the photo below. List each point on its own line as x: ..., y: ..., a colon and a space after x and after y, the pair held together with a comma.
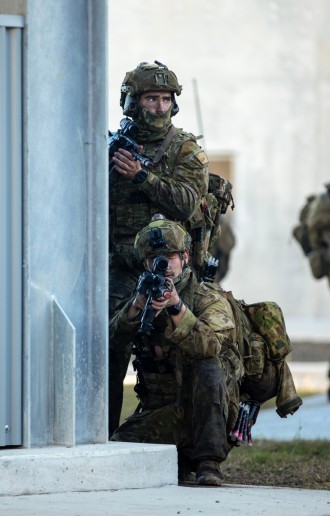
x: 65, y: 222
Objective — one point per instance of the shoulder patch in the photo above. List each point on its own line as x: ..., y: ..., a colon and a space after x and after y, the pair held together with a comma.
x: 201, y: 156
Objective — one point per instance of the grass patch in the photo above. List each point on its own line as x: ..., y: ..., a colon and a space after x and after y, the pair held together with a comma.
x: 298, y: 463
x: 130, y: 402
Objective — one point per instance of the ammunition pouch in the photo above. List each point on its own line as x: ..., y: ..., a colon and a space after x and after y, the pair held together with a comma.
x: 255, y: 356
x: 157, y: 385
x: 153, y: 365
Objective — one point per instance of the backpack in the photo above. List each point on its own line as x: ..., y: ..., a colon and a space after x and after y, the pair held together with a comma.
x: 264, y: 344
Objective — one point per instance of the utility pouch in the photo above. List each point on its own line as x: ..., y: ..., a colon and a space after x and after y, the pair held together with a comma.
x: 255, y: 355
x: 268, y: 321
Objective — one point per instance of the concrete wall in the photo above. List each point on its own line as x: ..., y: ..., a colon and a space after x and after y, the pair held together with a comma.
x: 65, y: 222
x: 263, y: 76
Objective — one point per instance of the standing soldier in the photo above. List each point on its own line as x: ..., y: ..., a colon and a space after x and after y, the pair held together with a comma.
x: 175, y: 185
x: 313, y: 235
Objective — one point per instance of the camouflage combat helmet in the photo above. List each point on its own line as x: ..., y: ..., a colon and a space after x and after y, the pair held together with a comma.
x: 147, y: 77
x: 160, y: 237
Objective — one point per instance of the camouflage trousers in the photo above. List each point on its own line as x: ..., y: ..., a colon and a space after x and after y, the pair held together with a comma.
x: 199, y: 424
x: 123, y: 275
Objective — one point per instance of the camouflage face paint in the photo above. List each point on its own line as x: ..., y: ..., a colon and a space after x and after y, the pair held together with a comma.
x: 155, y: 122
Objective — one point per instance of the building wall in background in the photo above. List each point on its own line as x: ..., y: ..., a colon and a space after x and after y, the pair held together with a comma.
x: 263, y: 76
x: 13, y: 7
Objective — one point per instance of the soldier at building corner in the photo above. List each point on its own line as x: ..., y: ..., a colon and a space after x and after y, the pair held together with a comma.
x: 187, y: 361
x: 205, y: 362
x: 174, y: 183
x: 313, y: 235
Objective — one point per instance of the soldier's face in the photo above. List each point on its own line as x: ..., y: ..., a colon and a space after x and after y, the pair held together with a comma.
x: 175, y: 264
x: 156, y: 102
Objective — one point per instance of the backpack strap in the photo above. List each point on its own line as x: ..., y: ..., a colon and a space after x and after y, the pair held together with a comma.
x: 238, y: 321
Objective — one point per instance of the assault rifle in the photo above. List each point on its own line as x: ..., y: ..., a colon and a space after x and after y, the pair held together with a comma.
x: 155, y: 285
x: 124, y: 139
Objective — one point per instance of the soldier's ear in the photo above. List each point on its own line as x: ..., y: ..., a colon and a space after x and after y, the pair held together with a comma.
x: 185, y: 257
x: 175, y: 107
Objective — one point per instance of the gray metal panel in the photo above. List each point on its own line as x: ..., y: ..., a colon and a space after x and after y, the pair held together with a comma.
x: 64, y: 349
x: 65, y: 212
x: 11, y: 235
x: 11, y: 21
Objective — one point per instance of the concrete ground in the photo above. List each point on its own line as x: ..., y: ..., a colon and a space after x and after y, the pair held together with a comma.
x: 173, y: 500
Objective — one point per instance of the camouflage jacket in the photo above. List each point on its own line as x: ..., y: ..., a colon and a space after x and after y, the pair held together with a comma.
x: 206, y: 330
x: 174, y: 187
x: 313, y: 233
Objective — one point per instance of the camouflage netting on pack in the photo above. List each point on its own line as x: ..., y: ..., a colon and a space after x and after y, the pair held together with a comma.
x: 268, y: 321
x: 264, y: 344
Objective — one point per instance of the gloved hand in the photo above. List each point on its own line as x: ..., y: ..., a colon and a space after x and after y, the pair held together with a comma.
x: 247, y: 416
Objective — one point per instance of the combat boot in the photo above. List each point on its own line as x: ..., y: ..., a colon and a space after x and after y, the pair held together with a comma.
x: 209, y: 473
x: 185, y: 475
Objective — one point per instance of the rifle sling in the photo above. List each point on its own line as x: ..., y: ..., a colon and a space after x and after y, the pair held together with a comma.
x: 164, y: 145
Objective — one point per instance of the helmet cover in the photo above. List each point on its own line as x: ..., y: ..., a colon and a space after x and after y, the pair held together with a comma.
x: 146, y: 77
x: 161, y: 237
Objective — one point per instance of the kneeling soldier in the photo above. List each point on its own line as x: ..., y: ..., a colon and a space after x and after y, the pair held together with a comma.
x: 188, y: 366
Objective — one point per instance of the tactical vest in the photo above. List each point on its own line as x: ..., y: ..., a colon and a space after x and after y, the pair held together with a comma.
x: 160, y: 379
x: 130, y: 208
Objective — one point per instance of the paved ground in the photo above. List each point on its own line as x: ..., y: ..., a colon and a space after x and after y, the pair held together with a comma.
x: 171, y: 501
x: 311, y: 421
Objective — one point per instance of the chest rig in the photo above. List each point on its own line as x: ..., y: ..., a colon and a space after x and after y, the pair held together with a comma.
x: 130, y: 207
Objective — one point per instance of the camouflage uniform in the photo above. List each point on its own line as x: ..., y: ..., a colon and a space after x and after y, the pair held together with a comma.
x: 175, y: 187
x: 313, y: 235
x: 191, y: 396
x: 222, y: 248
